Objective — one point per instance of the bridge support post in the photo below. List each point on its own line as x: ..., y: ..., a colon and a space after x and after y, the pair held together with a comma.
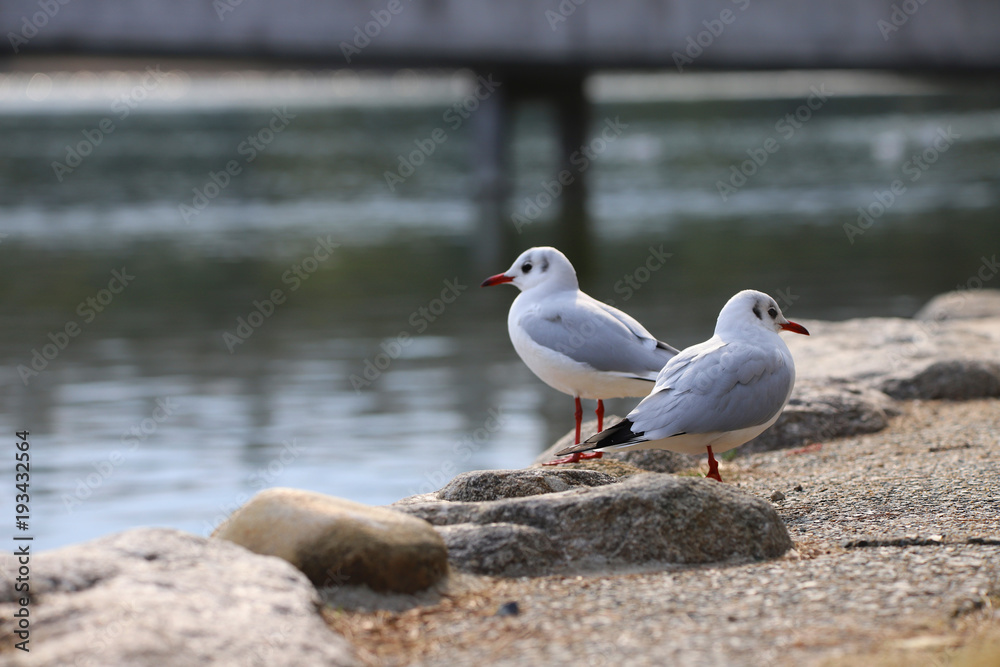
x: 563, y: 190
x: 491, y: 135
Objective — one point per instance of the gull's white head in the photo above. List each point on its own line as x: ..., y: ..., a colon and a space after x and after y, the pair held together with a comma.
x: 752, y: 310
x: 537, y: 267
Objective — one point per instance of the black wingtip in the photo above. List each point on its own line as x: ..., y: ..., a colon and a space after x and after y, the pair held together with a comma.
x: 609, y: 437
x: 669, y: 348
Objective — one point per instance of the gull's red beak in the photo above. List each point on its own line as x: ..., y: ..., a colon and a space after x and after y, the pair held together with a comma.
x: 795, y: 328
x: 500, y: 279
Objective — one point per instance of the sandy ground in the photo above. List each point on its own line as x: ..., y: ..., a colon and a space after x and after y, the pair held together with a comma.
x: 897, y: 562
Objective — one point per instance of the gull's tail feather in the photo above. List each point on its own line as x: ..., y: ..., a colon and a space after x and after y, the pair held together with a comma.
x: 619, y: 434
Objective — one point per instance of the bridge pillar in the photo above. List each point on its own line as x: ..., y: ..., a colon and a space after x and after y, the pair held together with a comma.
x: 490, y: 163
x: 501, y: 222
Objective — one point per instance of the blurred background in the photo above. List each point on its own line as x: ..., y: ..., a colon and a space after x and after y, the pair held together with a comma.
x: 241, y: 242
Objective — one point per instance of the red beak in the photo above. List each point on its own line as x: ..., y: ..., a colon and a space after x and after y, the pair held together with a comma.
x: 795, y: 328
x: 498, y: 279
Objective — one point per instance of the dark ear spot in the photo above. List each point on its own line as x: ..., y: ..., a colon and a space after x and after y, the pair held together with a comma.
x: 756, y: 311
x: 545, y: 264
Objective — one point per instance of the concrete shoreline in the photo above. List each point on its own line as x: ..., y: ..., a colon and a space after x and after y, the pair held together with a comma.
x: 863, y: 528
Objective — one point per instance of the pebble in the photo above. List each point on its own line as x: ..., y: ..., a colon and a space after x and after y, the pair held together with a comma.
x: 509, y: 609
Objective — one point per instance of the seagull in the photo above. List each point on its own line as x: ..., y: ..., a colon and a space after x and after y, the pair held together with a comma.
x: 718, y: 394
x: 573, y: 342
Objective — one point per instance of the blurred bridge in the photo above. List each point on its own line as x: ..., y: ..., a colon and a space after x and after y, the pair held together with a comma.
x: 536, y: 48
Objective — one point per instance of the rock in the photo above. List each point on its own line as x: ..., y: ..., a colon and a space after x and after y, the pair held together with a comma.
x: 962, y: 305
x: 653, y: 460
x: 822, y: 410
x: 508, y: 609
x: 335, y: 541
x: 647, y: 518
x: 956, y: 380
x: 949, y: 359
x: 481, y: 485
x: 160, y: 597
x: 777, y: 496
x: 656, y: 460
x: 508, y: 549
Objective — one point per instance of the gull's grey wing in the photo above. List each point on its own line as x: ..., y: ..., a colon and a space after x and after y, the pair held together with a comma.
x: 634, y: 326
x: 715, y: 386
x: 592, y: 336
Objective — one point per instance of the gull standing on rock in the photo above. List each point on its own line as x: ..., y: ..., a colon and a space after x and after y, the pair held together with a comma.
x: 573, y: 342
x: 718, y: 394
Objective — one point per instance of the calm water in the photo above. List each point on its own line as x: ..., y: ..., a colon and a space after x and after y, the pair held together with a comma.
x: 161, y: 410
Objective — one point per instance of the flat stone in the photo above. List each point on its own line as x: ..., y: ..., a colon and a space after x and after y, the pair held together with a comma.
x: 958, y: 379
x: 647, y: 518
x: 481, y: 485
x: 158, y: 597
x: 336, y: 542
x: 962, y: 305
x: 820, y: 411
x: 947, y: 359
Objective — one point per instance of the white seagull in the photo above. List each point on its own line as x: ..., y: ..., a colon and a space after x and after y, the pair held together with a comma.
x: 718, y: 394
x: 573, y: 342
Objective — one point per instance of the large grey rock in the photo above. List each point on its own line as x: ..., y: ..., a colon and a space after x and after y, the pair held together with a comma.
x: 481, y: 485
x: 962, y: 305
x: 653, y: 460
x: 956, y: 379
x: 162, y: 598
x: 508, y: 549
x: 949, y: 359
x: 820, y: 411
x: 335, y: 541
x: 647, y: 518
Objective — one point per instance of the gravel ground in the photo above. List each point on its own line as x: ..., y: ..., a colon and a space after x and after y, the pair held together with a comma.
x: 897, y: 561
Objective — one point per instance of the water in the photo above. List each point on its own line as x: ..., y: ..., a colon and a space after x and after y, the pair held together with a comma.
x: 158, y: 412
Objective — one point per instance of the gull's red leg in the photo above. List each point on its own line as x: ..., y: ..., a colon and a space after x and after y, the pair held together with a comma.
x: 713, y: 466
x: 579, y: 418
x: 578, y: 456
x: 600, y: 415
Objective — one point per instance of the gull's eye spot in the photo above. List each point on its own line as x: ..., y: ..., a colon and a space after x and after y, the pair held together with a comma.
x: 772, y: 312
x: 526, y: 267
